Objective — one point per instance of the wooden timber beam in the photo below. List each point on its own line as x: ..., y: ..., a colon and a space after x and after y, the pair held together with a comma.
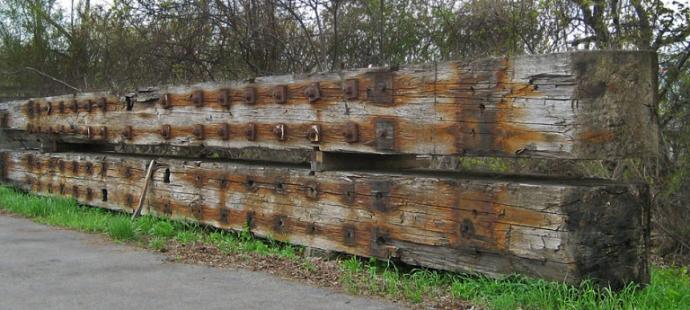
x: 579, y: 105
x: 567, y: 230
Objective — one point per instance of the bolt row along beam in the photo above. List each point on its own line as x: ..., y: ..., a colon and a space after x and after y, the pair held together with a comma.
x: 578, y: 105
x: 565, y: 231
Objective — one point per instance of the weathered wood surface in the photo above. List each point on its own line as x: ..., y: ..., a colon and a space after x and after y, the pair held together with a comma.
x: 557, y: 230
x: 580, y: 105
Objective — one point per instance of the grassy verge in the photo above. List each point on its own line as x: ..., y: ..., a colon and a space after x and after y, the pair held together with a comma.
x: 669, y: 289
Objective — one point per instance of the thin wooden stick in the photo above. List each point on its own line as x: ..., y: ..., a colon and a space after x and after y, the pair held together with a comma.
x: 149, y: 172
x: 52, y: 78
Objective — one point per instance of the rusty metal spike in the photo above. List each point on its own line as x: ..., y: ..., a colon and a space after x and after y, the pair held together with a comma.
x: 128, y: 133
x: 166, y: 132
x: 75, y: 167
x: 197, y: 98
x: 250, y: 184
x: 103, y: 132
x: 129, y: 200
x: 4, y: 119
x: 314, y: 133
x: 351, y: 132
x: 280, y: 94
x: 351, y: 89
x: 349, y: 235
x: 224, y: 131
x: 102, y: 104
x: 30, y: 109
x: 74, y: 106
x: 313, y: 92
x: 224, y: 98
x: 250, y: 132
x: 280, y: 131
x: 198, y: 131
x: 250, y: 95
x: 312, y: 190
x: 224, y: 216
x: 165, y: 101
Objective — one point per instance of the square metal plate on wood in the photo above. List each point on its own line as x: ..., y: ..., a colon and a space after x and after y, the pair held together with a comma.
x: 381, y: 92
x: 385, y: 135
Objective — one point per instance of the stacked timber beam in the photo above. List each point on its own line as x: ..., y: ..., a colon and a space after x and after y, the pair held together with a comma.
x: 230, y: 155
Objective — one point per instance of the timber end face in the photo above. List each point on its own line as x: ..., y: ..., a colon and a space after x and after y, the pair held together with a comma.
x: 608, y: 226
x: 615, y: 95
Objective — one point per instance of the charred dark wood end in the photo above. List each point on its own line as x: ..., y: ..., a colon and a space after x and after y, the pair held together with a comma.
x: 608, y: 227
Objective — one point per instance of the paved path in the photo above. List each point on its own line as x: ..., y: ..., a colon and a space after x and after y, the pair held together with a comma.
x: 47, y: 268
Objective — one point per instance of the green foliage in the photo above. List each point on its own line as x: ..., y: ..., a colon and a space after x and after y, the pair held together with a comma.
x: 157, y: 244
x: 122, y: 229
x: 162, y: 229
x: 186, y: 237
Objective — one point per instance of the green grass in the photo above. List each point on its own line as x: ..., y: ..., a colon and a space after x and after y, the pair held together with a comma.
x: 669, y: 288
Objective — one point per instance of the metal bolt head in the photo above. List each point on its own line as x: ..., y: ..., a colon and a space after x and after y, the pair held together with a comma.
x: 250, y: 95
x: 313, y: 92
x: 165, y: 101
x: 166, y: 132
x: 224, y: 131
x: 280, y: 94
x: 250, y: 132
x: 128, y: 133
x: 351, y: 132
x: 280, y: 132
x: 224, y: 98
x: 198, y: 131
x: 103, y: 132
x: 102, y: 104
x: 197, y: 98
x: 314, y: 133
x: 30, y: 108
x: 312, y: 190
x: 351, y: 89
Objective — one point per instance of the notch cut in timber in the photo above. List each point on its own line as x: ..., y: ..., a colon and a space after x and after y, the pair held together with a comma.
x: 330, y: 161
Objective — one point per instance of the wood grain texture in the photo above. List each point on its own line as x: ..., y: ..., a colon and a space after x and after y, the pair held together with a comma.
x: 556, y: 230
x: 580, y: 105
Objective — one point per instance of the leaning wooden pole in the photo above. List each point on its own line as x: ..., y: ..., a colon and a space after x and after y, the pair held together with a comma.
x: 144, y: 190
